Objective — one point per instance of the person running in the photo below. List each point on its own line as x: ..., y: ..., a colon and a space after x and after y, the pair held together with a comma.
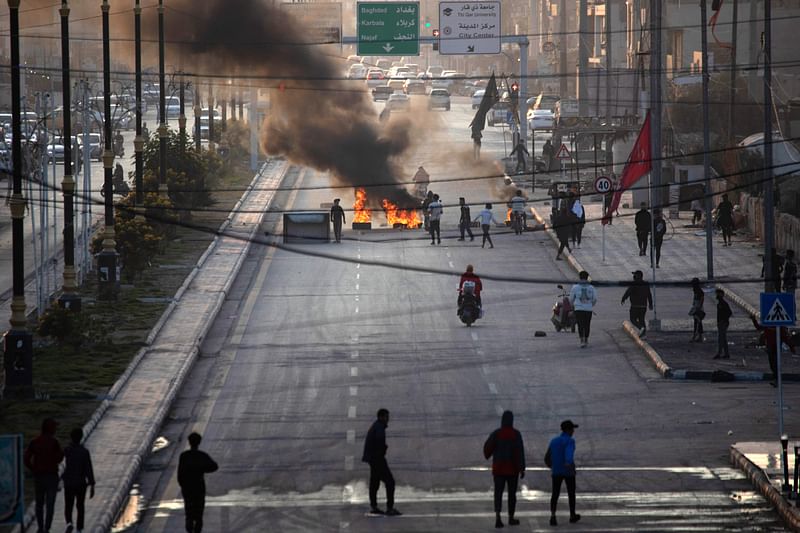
x: 696, y: 311
x: 375, y: 455
x: 42, y: 457
x: 725, y: 220
x: 561, y: 452
x: 583, y: 297
x: 486, y: 217
x: 563, y: 222
x: 642, y: 221
x: 507, y: 451
x: 77, y: 477
x: 641, y: 300
x: 723, y: 321
x: 660, y: 229
x: 337, y: 217
x: 521, y: 152
x: 193, y: 464
x: 465, y: 221
x: 435, y: 210
x: 517, y: 205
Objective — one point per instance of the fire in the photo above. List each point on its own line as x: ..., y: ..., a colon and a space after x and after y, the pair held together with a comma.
x: 361, y: 214
x: 508, y: 215
x: 406, y: 217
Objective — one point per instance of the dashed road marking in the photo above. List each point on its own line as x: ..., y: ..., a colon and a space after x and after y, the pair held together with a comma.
x: 356, y: 309
x: 354, y: 354
x: 354, y: 337
x: 348, y: 462
x: 358, y: 265
x: 498, y: 409
x: 353, y: 371
x: 344, y: 525
x: 357, y: 286
x: 351, y: 411
x: 351, y: 436
x: 358, y: 275
x: 492, y: 388
x: 474, y: 336
x: 485, y: 369
x: 451, y: 264
x: 353, y: 391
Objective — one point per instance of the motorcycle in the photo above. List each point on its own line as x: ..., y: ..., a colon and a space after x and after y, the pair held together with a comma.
x: 563, y: 312
x: 468, y: 309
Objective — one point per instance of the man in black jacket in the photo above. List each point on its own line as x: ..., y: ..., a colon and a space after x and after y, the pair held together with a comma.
x: 78, y: 475
x: 375, y: 454
x: 465, y: 221
x: 641, y: 300
x: 337, y: 217
x: 643, y: 222
x: 192, y: 466
x: 723, y: 321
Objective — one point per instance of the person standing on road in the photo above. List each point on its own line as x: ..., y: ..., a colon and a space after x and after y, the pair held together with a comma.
x: 725, y: 220
x: 563, y: 223
x: 641, y: 300
x: 507, y: 451
x: 486, y: 217
x: 583, y: 297
x: 642, y: 221
x: 696, y: 311
x: 723, y: 321
x: 547, y: 155
x: 579, y: 221
x: 193, y: 464
x: 42, y: 457
x: 465, y: 221
x: 337, y: 217
x: 425, y: 217
x: 435, y: 210
x: 660, y: 229
x: 77, y: 477
x: 521, y: 152
x: 476, y: 144
x: 789, y: 273
x: 768, y: 341
x: 375, y: 455
x: 562, y: 467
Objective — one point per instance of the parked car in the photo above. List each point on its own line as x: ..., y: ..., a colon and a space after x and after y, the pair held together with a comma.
x: 95, y: 145
x: 541, y: 119
x: 398, y: 102
x: 381, y: 92
x: 414, y: 86
x: 55, y: 149
x: 439, y: 98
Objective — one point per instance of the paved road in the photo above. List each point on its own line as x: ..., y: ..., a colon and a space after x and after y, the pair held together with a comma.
x: 307, y: 348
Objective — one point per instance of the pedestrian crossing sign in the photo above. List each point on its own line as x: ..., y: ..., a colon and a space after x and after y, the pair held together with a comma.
x: 777, y: 309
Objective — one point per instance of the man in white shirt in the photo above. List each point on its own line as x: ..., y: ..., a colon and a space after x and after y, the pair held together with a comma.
x: 583, y: 297
x: 517, y: 205
x: 435, y: 210
x: 486, y: 217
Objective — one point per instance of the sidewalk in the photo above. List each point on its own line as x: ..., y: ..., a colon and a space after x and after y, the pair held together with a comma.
x: 122, y: 430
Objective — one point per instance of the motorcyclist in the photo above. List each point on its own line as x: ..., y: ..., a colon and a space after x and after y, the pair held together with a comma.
x: 518, y: 204
x: 469, y: 275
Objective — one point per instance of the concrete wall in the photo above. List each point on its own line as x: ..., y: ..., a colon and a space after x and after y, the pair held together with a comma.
x: 787, y: 227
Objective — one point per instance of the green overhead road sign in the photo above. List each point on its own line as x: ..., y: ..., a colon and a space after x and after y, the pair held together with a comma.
x: 388, y: 28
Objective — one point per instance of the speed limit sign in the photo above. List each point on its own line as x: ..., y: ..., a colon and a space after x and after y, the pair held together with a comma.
x: 602, y: 184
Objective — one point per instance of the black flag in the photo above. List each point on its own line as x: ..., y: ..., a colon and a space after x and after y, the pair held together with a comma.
x: 490, y: 97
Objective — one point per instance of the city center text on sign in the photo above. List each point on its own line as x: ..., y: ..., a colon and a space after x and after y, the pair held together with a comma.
x: 388, y: 28
x: 469, y: 28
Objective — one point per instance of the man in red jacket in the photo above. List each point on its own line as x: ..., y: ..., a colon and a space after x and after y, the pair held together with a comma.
x: 42, y: 458
x: 470, y: 275
x: 507, y: 451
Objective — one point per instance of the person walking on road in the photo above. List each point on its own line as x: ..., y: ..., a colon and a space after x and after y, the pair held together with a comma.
x: 42, y: 457
x: 579, y: 221
x: 725, y: 220
x: 337, y: 217
x: 77, y: 477
x: 486, y: 217
x: 768, y: 341
x: 583, y: 297
x: 521, y: 152
x: 696, y: 311
x: 193, y: 464
x: 465, y: 221
x: 660, y: 229
x: 789, y: 273
x: 563, y: 223
x: 507, y: 451
x: 547, y: 155
x: 723, y: 321
x: 375, y: 455
x: 561, y: 452
x: 642, y: 221
x: 641, y: 300
x: 476, y: 144
x: 697, y: 211
x: 435, y: 210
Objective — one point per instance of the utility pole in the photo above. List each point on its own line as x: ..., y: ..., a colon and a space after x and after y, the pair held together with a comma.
x: 732, y: 96
x: 69, y: 298
x: 17, y: 341
x: 706, y: 143
x: 198, y: 111
x: 562, y: 16
x: 162, y: 101
x: 769, y: 177
x: 138, y: 142
x: 609, y: 60
x: 182, y: 116
x: 107, y: 259
x: 583, y: 58
x: 210, y: 116
x: 655, y: 135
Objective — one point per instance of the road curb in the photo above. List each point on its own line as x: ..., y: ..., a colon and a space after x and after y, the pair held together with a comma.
x: 665, y: 370
x: 574, y: 263
x: 789, y: 514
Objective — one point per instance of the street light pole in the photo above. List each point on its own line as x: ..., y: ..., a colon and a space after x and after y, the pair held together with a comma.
x: 707, y: 144
x: 17, y: 341
x: 162, y: 100
x: 138, y: 142
x: 769, y: 178
x: 69, y: 298
x: 198, y: 111
x: 107, y: 259
x: 182, y: 116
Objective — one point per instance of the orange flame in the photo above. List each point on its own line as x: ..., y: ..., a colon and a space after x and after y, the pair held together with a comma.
x: 408, y: 217
x: 508, y: 215
x: 360, y: 212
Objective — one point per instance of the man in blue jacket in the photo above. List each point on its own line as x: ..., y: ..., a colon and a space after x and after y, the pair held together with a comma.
x: 562, y: 466
x: 375, y: 454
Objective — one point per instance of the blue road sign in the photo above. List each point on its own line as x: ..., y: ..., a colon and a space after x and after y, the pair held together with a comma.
x: 777, y: 309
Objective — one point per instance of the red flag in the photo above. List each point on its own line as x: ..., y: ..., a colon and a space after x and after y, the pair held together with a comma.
x: 639, y: 163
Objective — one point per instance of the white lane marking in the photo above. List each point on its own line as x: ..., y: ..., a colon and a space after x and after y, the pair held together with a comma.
x: 353, y: 391
x: 353, y: 371
x: 451, y: 264
x: 351, y: 436
x: 474, y: 336
x: 485, y: 369
x: 356, y: 297
x: 348, y: 462
x: 354, y: 337
x: 359, y: 256
x: 351, y: 411
x: 357, y: 286
x: 498, y: 409
x: 492, y: 388
x: 344, y: 525
x: 479, y: 352
x: 354, y: 355
x: 448, y: 254
x: 358, y: 265
x: 358, y: 275
x: 356, y: 309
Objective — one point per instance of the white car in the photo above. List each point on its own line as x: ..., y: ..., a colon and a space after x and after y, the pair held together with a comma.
x: 439, y: 98
x: 357, y: 71
x: 398, y: 102
x: 414, y: 86
x: 397, y: 84
x: 477, y: 96
x: 375, y: 77
x: 541, y: 119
